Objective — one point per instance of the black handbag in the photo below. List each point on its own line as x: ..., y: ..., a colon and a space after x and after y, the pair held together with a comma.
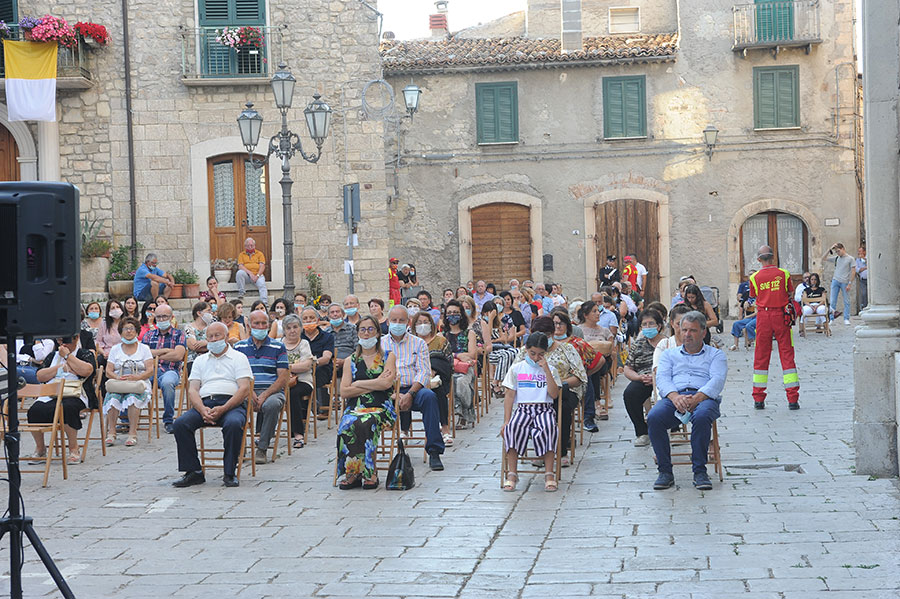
x: 400, y: 476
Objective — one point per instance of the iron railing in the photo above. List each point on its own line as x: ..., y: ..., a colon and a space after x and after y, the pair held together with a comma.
x: 70, y: 62
x: 770, y: 23
x: 203, y: 57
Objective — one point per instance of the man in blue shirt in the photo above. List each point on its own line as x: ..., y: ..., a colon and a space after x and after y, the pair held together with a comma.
x: 690, y: 379
x: 268, y: 360
x: 150, y: 281
x: 481, y: 295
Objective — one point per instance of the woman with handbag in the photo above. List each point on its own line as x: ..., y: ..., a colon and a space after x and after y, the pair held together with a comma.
x: 128, y: 369
x: 366, y: 388
x: 639, y: 370
x: 300, y: 360
x: 422, y: 325
x: 463, y: 346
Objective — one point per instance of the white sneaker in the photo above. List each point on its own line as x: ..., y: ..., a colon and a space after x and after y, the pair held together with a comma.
x: 846, y: 322
x: 642, y: 441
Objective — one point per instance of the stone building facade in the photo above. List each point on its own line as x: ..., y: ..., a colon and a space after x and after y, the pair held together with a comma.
x: 579, y: 185
x: 186, y: 92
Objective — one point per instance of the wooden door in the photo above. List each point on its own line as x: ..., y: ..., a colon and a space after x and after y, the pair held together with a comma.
x: 786, y: 234
x: 630, y: 227
x: 238, y: 206
x: 501, y: 243
x: 9, y: 156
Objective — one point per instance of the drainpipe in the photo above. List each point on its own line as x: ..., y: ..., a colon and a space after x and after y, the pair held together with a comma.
x: 129, y: 119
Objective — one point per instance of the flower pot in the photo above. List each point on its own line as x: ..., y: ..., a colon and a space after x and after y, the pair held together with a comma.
x: 93, y: 275
x: 177, y: 290
x: 223, y: 275
x: 191, y: 290
x: 120, y: 289
x: 91, y: 42
x: 26, y: 33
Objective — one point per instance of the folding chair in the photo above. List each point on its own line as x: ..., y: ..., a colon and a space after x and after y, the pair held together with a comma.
x: 386, y: 448
x: 98, y: 412
x: 214, y: 458
x: 806, y: 301
x: 683, y: 458
x: 182, y: 390
x: 312, y: 410
x: 528, y: 459
x: 335, y: 403
x: 152, y: 413
x: 605, y: 395
x: 57, y: 448
x: 283, y: 428
x: 578, y: 424
x: 451, y: 407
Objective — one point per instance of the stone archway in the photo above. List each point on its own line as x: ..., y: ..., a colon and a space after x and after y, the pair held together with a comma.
x: 25, y: 142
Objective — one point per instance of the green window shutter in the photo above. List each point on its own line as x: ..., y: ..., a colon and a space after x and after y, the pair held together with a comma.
x: 497, y: 112
x: 249, y: 12
x: 774, y: 20
x: 232, y: 12
x: 624, y: 107
x: 8, y: 12
x: 776, y: 97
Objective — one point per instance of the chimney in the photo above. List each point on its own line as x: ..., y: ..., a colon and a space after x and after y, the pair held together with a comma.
x: 437, y: 22
x: 571, y: 38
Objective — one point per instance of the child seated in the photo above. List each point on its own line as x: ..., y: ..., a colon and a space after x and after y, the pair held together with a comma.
x: 532, y: 386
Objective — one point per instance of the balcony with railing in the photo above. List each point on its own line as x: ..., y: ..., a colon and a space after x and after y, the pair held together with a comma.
x: 206, y: 61
x: 775, y: 24
x: 71, y: 63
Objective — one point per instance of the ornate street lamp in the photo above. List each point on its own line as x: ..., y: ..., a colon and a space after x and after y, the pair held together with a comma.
x: 710, y: 135
x: 411, y: 95
x: 284, y: 145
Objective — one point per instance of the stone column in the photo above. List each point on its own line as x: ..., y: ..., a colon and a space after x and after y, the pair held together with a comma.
x: 875, y: 354
x: 48, y: 150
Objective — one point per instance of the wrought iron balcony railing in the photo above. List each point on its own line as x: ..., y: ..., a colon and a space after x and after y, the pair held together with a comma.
x: 205, y: 59
x: 776, y: 23
x: 71, y: 63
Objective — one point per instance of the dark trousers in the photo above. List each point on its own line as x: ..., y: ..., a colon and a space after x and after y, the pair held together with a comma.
x: 299, y: 407
x: 662, y: 418
x: 636, y: 393
x: 232, y: 423
x: 41, y: 412
x: 323, y: 379
x: 426, y: 402
x: 443, y: 408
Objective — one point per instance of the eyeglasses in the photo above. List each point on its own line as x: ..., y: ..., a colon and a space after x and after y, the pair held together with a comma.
x: 559, y: 324
x: 163, y: 318
x: 368, y: 330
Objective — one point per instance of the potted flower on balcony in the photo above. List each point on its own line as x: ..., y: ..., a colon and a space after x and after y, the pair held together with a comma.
x: 54, y: 29
x: 223, y: 269
x: 93, y: 35
x: 246, y: 38
x: 26, y: 24
x: 187, y: 280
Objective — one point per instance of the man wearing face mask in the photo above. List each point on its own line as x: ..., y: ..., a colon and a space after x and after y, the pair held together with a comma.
x: 414, y: 373
x: 299, y: 302
x: 345, y: 337
x: 169, y: 345
x: 351, y: 310
x: 269, y: 363
x: 218, y: 391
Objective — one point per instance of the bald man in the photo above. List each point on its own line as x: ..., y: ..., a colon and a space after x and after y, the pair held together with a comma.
x: 773, y: 290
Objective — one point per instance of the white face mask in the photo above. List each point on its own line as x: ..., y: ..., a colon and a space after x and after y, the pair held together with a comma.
x: 115, y: 313
x: 422, y: 329
x: 206, y: 317
x: 413, y: 310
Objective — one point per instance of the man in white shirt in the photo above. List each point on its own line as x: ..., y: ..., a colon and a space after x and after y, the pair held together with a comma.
x: 220, y: 382
x: 641, y: 272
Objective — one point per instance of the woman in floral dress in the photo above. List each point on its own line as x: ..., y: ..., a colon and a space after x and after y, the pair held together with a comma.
x: 366, y: 388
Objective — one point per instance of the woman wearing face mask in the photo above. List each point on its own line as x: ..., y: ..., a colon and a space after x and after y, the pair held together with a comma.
x: 639, y: 370
x: 92, y: 320
x: 376, y: 309
x: 212, y: 295
x: 280, y: 308
x: 464, y: 348
x: 413, y: 306
x: 422, y: 325
x: 195, y: 331
x: 300, y: 360
x: 236, y: 331
x: 148, y: 318
x: 501, y: 353
x: 321, y: 344
x: 108, y: 335
x: 128, y: 369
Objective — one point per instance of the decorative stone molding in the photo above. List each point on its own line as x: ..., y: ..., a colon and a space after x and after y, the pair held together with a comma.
x: 27, y: 149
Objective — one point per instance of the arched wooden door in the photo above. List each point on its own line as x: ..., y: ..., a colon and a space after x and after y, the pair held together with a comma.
x: 238, y: 206
x: 9, y: 157
x: 630, y: 227
x: 501, y: 243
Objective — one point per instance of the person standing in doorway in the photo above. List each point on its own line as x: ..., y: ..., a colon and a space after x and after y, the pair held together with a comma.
x: 772, y: 288
x: 862, y: 273
x: 609, y: 274
x: 841, y: 280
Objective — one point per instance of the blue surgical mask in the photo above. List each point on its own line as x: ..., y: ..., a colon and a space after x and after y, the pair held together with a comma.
x: 298, y: 305
x: 336, y: 322
x: 164, y: 324
x: 214, y: 307
x: 530, y: 362
x: 368, y: 343
x: 93, y: 315
x: 454, y: 318
x: 131, y: 341
x: 468, y: 313
x: 351, y: 311
x: 398, y: 329
x: 560, y: 337
x: 650, y: 332
x: 259, y: 334
x: 217, y: 347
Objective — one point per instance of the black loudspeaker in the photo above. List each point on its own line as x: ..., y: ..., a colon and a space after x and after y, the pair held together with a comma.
x: 40, y: 246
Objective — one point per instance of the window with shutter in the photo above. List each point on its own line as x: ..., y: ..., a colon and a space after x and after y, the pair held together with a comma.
x: 774, y: 20
x: 624, y: 107
x: 776, y: 97
x: 497, y: 112
x: 232, y: 12
x: 9, y: 12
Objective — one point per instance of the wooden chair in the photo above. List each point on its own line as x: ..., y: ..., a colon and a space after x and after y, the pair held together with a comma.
x: 806, y: 301
x: 282, y: 428
x: 682, y: 438
x: 312, y: 410
x: 335, y: 403
x: 528, y: 459
x: 214, y: 458
x: 57, y: 448
x: 604, y: 395
x: 153, y: 413
x: 182, y: 390
x: 386, y: 448
x: 451, y: 407
x: 97, y: 412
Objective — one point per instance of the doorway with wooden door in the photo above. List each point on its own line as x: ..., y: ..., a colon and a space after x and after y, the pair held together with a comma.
x: 630, y: 227
x: 238, y: 206
x: 786, y: 234
x: 9, y: 157
x: 501, y: 243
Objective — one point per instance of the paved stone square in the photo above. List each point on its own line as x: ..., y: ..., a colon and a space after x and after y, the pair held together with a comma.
x: 790, y: 521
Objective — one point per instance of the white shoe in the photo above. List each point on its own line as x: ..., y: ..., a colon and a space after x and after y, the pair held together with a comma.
x: 642, y: 441
x: 846, y: 322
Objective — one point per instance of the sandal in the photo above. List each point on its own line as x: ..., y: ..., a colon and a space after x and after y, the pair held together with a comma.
x: 131, y: 442
x: 550, y: 484
x: 448, y: 439
x: 74, y: 458
x: 110, y: 441
x: 38, y: 458
x: 370, y: 485
x: 565, y: 462
x: 511, y: 480
x: 298, y: 443
x: 346, y: 484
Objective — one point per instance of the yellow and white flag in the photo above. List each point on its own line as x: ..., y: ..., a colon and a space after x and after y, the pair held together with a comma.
x: 30, y: 80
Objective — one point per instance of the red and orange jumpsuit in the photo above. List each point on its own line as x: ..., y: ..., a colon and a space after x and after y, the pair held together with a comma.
x: 394, y: 287
x: 773, y: 290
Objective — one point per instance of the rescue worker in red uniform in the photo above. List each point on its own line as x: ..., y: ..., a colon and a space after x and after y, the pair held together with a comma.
x: 772, y: 288
x: 394, y: 284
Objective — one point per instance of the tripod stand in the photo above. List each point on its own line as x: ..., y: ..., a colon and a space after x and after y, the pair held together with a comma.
x: 16, y: 523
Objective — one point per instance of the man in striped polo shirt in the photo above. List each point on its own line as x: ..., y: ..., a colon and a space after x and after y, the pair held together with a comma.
x: 268, y: 360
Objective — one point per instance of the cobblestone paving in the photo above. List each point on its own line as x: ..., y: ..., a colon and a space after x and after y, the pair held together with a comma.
x: 791, y: 520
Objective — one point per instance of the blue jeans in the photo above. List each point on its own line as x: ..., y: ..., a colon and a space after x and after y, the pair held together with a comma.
x: 662, y: 418
x: 737, y: 329
x: 147, y: 294
x: 29, y: 373
x: 167, y: 382
x: 837, y: 286
x: 590, y: 396
x: 425, y: 401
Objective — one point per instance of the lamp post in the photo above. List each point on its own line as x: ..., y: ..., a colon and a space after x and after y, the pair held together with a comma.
x: 411, y: 95
x: 710, y: 135
x: 284, y: 145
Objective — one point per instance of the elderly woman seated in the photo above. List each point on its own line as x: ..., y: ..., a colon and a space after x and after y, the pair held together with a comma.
x: 365, y: 385
x: 129, y: 367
